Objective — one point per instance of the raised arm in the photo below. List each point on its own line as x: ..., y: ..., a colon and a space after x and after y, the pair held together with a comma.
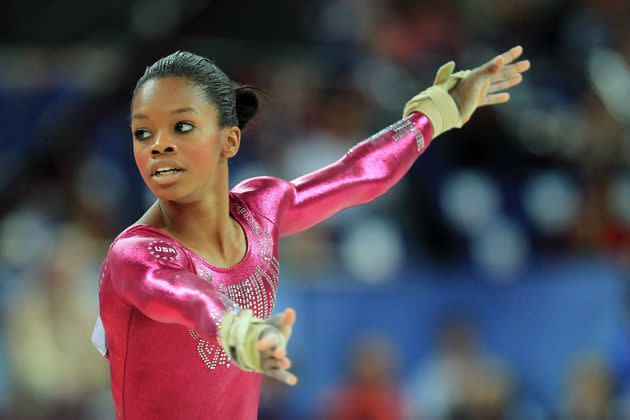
x: 368, y: 170
x: 378, y: 163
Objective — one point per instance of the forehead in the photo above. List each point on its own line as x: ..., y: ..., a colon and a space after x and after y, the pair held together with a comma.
x: 168, y: 93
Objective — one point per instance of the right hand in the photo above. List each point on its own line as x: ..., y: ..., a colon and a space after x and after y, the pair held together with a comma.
x: 272, y: 347
x: 485, y: 85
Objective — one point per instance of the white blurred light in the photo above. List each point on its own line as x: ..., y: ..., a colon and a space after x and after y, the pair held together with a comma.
x: 501, y: 250
x: 25, y: 238
x: 551, y: 200
x: 470, y: 200
x: 310, y: 153
x: 619, y: 198
x: 383, y: 82
x: 610, y: 76
x: 100, y: 184
x: 246, y: 171
x: 372, y: 250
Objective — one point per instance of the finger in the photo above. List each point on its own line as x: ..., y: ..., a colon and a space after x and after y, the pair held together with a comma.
x: 283, y: 318
x: 269, y: 341
x: 512, y: 54
x: 493, y: 66
x: 271, y: 364
x: 283, y: 376
x: 284, y: 321
x: 505, y: 84
x: 286, y: 363
x: 522, y: 65
x: 279, y: 352
x: 494, y: 99
x: 512, y: 70
x: 289, y: 316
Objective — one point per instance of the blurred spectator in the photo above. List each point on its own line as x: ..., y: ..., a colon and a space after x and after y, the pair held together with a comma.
x: 370, y: 390
x: 50, y: 316
x: 588, y: 391
x: 459, y: 381
x: 340, y: 69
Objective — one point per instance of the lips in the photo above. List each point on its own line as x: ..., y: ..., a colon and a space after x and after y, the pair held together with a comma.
x: 166, y: 171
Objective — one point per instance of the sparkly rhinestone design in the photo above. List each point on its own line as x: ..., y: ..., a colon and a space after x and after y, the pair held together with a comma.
x: 257, y: 292
x: 420, y: 140
x: 401, y: 129
x: 212, y: 355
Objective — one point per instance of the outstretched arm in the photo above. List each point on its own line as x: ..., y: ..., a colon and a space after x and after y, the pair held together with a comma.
x: 368, y: 170
x: 375, y: 165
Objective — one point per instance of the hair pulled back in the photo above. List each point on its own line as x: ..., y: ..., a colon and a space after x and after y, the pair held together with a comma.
x: 236, y: 104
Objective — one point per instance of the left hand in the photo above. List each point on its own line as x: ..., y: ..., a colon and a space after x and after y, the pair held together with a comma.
x: 483, y: 85
x: 272, y: 347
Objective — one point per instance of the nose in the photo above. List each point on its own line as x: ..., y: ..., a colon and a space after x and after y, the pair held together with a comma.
x: 162, y: 144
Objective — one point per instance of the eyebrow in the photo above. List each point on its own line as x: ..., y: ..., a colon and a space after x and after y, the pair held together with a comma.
x: 175, y: 111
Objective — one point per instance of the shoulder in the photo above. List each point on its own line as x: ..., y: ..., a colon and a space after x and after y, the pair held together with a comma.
x: 142, y: 243
x: 265, y: 195
x: 261, y: 185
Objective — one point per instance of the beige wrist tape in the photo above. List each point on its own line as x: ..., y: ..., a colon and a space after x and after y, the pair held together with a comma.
x: 436, y: 102
x: 239, y: 335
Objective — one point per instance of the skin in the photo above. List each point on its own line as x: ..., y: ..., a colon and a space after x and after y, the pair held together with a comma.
x: 174, y: 124
x: 483, y: 86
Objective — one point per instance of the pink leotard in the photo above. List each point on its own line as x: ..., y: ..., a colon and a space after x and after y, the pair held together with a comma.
x: 160, y: 302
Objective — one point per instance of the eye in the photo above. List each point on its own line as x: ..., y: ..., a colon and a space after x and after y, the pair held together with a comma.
x: 184, y: 126
x: 141, y: 134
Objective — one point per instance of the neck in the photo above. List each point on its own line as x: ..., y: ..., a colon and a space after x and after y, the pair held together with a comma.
x: 204, y: 226
x: 202, y: 222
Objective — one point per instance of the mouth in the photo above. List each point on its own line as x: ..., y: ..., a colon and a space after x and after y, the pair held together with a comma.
x: 166, y: 171
x: 166, y: 174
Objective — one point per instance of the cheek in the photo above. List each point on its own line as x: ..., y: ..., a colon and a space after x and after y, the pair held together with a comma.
x: 201, y: 157
x: 138, y: 157
x: 203, y: 154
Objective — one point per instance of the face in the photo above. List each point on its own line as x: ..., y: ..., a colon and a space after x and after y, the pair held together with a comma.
x: 179, y: 147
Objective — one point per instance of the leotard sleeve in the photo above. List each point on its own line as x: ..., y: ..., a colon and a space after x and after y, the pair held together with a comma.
x: 155, y: 276
x: 365, y: 172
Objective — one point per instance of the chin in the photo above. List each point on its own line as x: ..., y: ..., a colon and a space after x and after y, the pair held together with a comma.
x: 174, y: 195
x: 170, y: 193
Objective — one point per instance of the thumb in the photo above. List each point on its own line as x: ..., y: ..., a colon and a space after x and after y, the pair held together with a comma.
x: 289, y: 316
x: 284, y: 321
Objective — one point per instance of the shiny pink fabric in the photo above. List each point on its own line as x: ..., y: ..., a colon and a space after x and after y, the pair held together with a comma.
x: 160, y: 302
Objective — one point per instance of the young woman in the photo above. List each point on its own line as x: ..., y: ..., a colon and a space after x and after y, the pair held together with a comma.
x: 187, y: 292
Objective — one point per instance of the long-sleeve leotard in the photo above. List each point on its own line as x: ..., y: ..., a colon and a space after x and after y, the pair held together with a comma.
x: 367, y: 171
x: 160, y: 302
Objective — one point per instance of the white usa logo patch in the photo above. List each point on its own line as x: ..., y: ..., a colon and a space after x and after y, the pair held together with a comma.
x: 162, y: 250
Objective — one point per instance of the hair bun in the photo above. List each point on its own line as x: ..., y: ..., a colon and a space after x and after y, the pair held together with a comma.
x: 247, y: 104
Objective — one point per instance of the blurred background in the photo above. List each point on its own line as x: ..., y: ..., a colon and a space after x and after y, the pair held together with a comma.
x: 491, y: 283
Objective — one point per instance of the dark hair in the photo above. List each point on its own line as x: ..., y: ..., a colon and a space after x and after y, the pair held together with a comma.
x: 235, y: 103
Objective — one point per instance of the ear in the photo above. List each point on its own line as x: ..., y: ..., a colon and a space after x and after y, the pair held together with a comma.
x: 231, y: 142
